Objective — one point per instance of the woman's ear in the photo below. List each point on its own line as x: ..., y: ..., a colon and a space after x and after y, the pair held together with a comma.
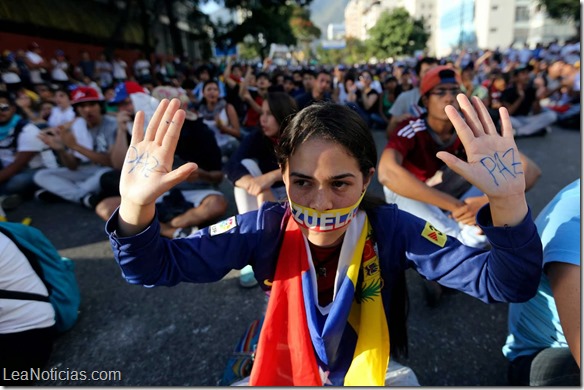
x: 367, y: 178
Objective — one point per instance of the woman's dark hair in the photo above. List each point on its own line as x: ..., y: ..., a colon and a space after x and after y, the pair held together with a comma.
x: 330, y: 122
x: 282, y: 106
x: 344, y: 126
x: 210, y: 81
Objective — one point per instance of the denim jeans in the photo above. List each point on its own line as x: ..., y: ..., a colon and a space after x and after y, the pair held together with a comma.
x: 22, y: 183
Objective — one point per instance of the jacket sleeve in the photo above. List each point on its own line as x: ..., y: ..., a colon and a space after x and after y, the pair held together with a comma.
x: 509, y: 272
x: 207, y: 256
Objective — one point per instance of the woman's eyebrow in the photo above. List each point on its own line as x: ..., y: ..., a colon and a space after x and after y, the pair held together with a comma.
x: 337, y: 177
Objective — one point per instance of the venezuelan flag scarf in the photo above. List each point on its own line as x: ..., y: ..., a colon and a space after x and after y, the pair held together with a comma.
x: 302, y: 344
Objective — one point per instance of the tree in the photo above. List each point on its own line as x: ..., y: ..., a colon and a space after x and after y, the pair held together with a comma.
x: 303, y: 28
x: 266, y: 21
x: 562, y: 9
x: 354, y: 52
x: 396, y: 34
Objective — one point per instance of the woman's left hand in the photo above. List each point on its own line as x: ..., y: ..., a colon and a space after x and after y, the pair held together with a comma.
x: 259, y: 184
x: 493, y: 164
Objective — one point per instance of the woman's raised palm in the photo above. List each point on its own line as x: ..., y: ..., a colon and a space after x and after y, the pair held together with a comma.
x: 147, y: 172
x: 493, y: 164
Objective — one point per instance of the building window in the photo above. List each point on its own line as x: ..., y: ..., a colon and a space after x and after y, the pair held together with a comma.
x: 495, y: 7
x: 521, y: 14
x: 493, y: 29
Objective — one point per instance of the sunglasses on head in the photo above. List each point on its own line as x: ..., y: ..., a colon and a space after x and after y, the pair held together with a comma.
x: 443, y: 91
x: 4, y: 107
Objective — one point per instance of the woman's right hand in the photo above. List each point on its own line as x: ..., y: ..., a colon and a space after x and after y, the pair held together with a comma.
x: 147, y: 171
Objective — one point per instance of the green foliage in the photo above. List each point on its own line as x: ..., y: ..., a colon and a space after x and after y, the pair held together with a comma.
x: 562, y: 9
x: 266, y: 22
x: 302, y: 27
x: 396, y: 34
x: 248, y: 51
x: 354, y: 52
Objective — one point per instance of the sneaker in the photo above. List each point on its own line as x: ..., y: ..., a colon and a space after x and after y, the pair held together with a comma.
x: 90, y: 201
x: 247, y: 278
x: 10, y: 202
x: 47, y: 196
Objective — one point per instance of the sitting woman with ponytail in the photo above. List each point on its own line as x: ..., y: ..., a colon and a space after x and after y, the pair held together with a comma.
x: 332, y: 259
x: 253, y: 168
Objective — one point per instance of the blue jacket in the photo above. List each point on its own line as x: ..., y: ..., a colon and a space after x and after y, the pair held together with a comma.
x: 509, y: 272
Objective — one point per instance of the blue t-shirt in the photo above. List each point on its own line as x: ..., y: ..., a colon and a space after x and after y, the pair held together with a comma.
x: 535, y: 324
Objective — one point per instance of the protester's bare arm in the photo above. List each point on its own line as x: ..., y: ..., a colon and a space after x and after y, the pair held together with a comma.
x: 493, y: 161
x: 531, y: 170
x: 467, y: 213
x: 120, y: 148
x: 231, y: 128
x: 52, y: 138
x: 147, y: 172
x: 394, y: 176
x: 227, y: 75
x: 565, y: 283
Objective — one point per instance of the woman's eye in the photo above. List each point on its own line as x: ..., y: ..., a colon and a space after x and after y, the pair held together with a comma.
x: 339, y: 184
x: 301, y: 183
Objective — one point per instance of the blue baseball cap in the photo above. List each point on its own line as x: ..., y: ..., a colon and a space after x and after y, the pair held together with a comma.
x: 125, y: 89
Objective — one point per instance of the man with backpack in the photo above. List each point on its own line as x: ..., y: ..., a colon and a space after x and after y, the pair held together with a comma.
x: 39, y: 298
x: 22, y: 154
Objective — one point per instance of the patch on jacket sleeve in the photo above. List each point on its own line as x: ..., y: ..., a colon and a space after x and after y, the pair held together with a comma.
x: 434, y: 235
x: 223, y: 226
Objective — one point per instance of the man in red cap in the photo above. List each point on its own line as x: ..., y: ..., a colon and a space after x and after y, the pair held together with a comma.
x: 420, y: 183
x: 83, y: 147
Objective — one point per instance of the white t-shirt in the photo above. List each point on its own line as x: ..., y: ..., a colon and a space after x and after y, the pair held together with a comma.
x: 16, y: 274
x: 99, y: 139
x: 35, y: 74
x: 221, y: 138
x: 142, y: 67
x: 28, y: 141
x: 59, y: 116
x: 407, y: 103
x: 119, y: 69
x: 59, y: 71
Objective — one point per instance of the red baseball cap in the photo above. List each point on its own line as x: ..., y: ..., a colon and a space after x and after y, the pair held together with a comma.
x: 438, y: 75
x: 85, y: 94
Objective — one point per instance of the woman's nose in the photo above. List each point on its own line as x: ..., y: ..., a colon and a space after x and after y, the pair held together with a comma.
x: 321, y: 201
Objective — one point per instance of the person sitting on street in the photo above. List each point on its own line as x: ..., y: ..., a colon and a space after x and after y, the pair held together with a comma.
x: 22, y: 154
x: 199, y: 202
x: 420, y: 183
x: 522, y: 101
x: 253, y: 168
x: 543, y: 344
x: 83, y: 148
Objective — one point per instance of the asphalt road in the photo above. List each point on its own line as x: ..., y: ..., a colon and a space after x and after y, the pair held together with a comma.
x: 182, y: 336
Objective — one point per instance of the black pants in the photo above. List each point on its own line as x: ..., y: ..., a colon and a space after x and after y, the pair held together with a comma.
x: 548, y: 367
x: 22, y: 351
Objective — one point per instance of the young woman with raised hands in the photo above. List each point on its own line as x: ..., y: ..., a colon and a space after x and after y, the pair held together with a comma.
x: 332, y: 259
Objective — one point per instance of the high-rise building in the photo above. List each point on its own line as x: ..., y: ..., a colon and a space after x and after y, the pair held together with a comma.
x: 455, y: 26
x: 335, y: 31
x: 501, y: 23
